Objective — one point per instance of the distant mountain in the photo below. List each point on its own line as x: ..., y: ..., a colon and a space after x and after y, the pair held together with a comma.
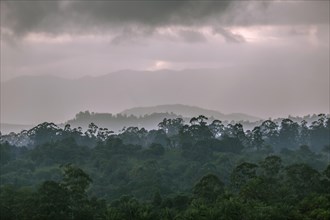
x: 188, y: 111
x: 149, y: 117
x: 36, y: 99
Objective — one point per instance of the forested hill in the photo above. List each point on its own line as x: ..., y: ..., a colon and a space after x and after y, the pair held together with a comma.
x: 197, y: 170
x: 148, y: 121
x: 149, y: 117
x: 285, y: 133
x: 189, y: 112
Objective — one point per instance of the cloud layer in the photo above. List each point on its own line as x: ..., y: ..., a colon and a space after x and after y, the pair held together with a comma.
x: 56, y: 17
x: 84, y: 16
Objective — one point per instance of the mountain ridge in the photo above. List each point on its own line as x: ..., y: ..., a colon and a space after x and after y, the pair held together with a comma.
x: 35, y: 99
x: 188, y: 111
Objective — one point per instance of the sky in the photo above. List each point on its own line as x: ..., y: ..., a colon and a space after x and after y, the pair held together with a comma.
x: 260, y: 43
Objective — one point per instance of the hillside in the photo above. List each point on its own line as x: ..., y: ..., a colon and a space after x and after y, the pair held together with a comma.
x: 149, y: 117
x: 188, y: 111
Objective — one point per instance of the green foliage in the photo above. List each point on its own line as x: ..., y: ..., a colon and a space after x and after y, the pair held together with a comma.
x: 181, y: 171
x: 242, y: 174
x: 53, y: 201
x: 154, y: 150
x: 62, y: 151
x: 208, y: 188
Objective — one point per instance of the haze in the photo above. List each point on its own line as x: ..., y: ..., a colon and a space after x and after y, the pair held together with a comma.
x: 263, y: 58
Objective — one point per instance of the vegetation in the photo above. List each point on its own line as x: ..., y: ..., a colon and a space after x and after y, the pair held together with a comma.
x: 198, y: 170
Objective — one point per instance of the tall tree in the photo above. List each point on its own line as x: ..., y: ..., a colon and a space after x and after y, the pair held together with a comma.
x: 289, y: 134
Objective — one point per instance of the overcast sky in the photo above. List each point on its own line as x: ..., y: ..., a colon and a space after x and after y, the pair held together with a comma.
x: 266, y: 42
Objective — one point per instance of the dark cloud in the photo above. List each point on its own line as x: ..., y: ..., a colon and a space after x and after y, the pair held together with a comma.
x: 247, y: 13
x: 19, y: 18
x: 22, y: 17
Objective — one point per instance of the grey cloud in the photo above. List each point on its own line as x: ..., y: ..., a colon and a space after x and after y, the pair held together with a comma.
x: 59, y: 16
x: 192, y: 36
x: 25, y: 16
x: 131, y: 35
x: 136, y: 19
x: 229, y: 36
x: 139, y: 34
x: 53, y: 17
x: 249, y: 13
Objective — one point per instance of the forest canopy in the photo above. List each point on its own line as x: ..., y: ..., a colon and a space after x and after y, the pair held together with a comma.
x: 194, y: 170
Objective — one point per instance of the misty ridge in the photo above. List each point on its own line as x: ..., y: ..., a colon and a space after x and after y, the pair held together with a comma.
x: 35, y: 99
x: 149, y: 118
x: 88, y: 128
x: 45, y: 98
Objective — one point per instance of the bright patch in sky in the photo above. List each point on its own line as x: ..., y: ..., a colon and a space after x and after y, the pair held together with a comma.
x: 160, y: 64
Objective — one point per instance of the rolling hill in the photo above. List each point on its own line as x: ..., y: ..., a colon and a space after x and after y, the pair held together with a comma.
x: 188, y: 111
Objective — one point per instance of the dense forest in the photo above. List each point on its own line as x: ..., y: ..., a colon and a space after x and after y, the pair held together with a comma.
x: 116, y: 122
x: 196, y: 170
